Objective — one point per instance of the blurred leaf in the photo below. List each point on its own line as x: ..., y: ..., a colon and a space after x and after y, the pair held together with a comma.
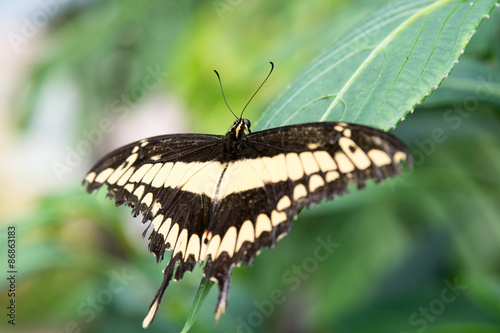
x: 107, y: 49
x: 377, y: 73
x: 485, y: 290
x: 474, y: 327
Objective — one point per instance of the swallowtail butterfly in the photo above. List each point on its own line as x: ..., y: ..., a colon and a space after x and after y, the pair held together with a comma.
x: 220, y: 199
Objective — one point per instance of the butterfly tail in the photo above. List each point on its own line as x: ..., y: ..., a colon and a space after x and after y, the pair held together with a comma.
x: 168, y: 273
x: 220, y: 308
x: 220, y: 271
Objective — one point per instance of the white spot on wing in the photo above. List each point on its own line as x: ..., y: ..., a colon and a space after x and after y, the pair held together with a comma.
x: 203, y: 178
x: 309, y: 162
x: 205, y: 239
x: 379, y: 157
x: 137, y: 176
x: 284, y: 203
x: 172, y: 236
x: 139, y: 192
x: 246, y: 234
x: 294, y: 167
x: 331, y: 176
x: 101, y: 178
x: 358, y: 156
x: 325, y: 161
x: 90, y: 177
x: 161, y: 176
x: 156, y: 207
x: 299, y: 192
x: 148, y: 178
x: 129, y: 188
x: 312, y: 145
x: 157, y: 222
x: 193, y: 247
x: 280, y: 236
x: 213, y: 246
x: 228, y: 242
x: 148, y: 199
x: 315, y: 182
x: 165, y: 227
x: 263, y: 223
x: 122, y: 168
x: 181, y: 173
x: 345, y: 165
x: 276, y: 166
x: 126, y: 176
x: 277, y: 218
x: 399, y: 156
x: 180, y: 246
x: 241, y: 176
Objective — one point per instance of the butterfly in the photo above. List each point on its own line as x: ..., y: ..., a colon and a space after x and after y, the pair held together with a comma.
x: 220, y: 199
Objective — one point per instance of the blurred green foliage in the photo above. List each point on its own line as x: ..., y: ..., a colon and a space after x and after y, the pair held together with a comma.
x: 398, y: 244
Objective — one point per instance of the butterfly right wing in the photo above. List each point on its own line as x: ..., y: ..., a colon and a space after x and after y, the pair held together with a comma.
x: 171, y: 180
x: 148, y: 176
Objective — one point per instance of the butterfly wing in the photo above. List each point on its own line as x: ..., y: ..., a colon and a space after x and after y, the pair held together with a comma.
x: 281, y: 171
x: 149, y: 175
x: 207, y: 206
x: 153, y: 177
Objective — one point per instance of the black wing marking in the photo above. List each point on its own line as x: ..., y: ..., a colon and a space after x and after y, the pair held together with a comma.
x: 206, y: 207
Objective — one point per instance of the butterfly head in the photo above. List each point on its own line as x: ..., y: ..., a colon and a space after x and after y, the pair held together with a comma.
x: 240, y: 128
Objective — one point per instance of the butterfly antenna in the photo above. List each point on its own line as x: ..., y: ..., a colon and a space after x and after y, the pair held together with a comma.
x: 222, y: 90
x: 255, y: 93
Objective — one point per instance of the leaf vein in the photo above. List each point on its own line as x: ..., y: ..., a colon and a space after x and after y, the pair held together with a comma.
x: 378, y: 49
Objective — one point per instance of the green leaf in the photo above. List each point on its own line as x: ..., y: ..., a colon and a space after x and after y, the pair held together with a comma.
x: 379, y: 71
x: 201, y: 294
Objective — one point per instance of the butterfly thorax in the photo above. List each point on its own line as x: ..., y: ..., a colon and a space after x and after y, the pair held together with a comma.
x: 234, y: 141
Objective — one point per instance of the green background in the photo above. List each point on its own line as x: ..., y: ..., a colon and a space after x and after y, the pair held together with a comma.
x: 399, y: 245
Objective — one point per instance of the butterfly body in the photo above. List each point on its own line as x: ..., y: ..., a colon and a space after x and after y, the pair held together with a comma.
x: 221, y: 199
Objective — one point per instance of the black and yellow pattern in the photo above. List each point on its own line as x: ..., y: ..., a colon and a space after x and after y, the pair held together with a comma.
x: 221, y: 199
